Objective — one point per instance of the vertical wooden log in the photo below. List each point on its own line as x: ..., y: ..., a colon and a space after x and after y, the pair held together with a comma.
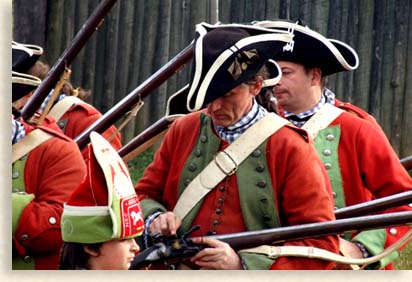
x: 54, y: 39
x: 89, y: 69
x: 399, y: 70
x: 161, y: 58
x: 350, y: 38
x: 225, y: 11
x: 30, y: 22
x: 110, y: 59
x: 147, y: 55
x: 386, y: 93
x: 133, y: 77
x: 272, y: 9
x: 406, y: 130
x: 81, y: 15
x: 364, y: 47
x: 124, y: 48
x: 376, y: 60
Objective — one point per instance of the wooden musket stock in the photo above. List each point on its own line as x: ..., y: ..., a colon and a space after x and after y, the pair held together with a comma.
x: 66, y: 58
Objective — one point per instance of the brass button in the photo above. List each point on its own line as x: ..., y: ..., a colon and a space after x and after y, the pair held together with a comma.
x: 260, y: 168
x: 257, y: 153
x: 220, y: 200
x: 336, y: 208
x: 26, y: 259
x: 15, y: 174
x: 198, y: 152
x: 328, y: 165
x: 330, y: 137
x: 393, y: 231
x: 327, y: 152
x: 334, y: 194
x: 15, y: 190
x: 218, y: 211
x: 266, y: 217
x: 187, y: 181
x: 24, y: 237
x: 60, y: 124
x: 222, y: 188
x: 52, y: 220
x: 192, y: 167
x: 203, y: 138
x: 261, y: 183
x: 215, y: 222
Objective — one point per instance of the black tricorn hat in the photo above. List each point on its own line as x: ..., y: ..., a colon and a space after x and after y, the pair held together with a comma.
x: 176, y: 104
x: 23, y: 84
x: 24, y: 56
x: 312, y: 49
x: 226, y: 56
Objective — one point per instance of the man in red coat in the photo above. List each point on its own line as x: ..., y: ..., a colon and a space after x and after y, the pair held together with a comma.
x: 70, y: 110
x: 276, y: 184
x: 359, y: 159
x: 47, y: 167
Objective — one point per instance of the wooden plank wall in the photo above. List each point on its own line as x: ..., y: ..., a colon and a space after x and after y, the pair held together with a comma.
x: 138, y: 37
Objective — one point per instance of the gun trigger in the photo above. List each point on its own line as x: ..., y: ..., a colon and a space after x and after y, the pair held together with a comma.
x: 190, y: 231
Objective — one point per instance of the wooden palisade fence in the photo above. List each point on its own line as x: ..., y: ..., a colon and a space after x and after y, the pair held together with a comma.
x: 139, y: 37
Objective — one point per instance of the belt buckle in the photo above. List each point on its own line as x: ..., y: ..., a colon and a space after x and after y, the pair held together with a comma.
x: 231, y: 172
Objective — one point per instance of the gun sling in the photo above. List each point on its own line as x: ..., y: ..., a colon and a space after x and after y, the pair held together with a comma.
x: 226, y: 162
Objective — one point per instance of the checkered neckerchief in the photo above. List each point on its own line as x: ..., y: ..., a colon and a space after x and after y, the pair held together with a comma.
x: 44, y: 104
x: 328, y: 97
x: 231, y: 133
x: 17, y: 131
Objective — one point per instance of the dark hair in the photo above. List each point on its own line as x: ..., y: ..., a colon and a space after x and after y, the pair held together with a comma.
x: 41, y: 69
x: 73, y: 256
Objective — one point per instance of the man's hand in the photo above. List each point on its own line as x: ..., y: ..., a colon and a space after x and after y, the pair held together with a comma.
x: 166, y: 224
x: 219, y: 256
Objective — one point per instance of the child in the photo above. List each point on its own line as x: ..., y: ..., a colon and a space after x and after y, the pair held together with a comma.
x: 103, y: 215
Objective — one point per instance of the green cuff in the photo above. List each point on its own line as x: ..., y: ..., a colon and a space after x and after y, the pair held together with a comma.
x: 149, y: 206
x: 19, y: 202
x: 374, y: 242
x: 256, y: 261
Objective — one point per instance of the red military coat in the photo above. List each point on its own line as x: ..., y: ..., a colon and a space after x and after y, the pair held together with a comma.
x: 297, y: 177
x: 52, y: 171
x: 370, y: 169
x: 79, y: 117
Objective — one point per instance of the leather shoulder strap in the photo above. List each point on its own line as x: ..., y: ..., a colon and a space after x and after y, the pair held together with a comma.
x: 321, y: 119
x: 29, y: 142
x: 62, y: 106
x: 226, y: 162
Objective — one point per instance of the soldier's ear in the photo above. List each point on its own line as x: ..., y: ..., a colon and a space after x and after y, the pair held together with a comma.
x: 89, y: 250
x: 316, y: 76
x: 257, y: 86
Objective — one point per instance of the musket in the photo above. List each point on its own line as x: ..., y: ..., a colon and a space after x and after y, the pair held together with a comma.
x: 175, y: 108
x: 138, y: 94
x: 377, y: 205
x: 182, y: 247
x: 407, y: 162
x: 67, y: 57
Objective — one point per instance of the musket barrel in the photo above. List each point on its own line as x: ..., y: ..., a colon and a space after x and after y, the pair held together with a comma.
x: 250, y: 239
x: 155, y: 129
x: 407, y: 162
x: 66, y: 58
x: 154, y: 81
x: 377, y: 205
